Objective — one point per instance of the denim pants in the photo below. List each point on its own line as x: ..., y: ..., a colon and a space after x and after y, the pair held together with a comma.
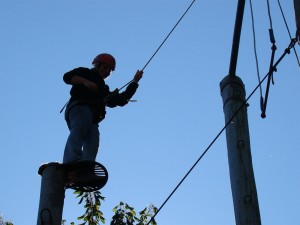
x: 83, y: 140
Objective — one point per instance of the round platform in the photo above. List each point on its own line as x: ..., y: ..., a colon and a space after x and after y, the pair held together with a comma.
x: 85, y: 175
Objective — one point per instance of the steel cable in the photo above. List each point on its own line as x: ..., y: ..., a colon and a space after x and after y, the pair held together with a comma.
x: 163, y: 41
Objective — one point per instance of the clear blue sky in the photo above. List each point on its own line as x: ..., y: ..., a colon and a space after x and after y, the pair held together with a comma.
x: 148, y: 146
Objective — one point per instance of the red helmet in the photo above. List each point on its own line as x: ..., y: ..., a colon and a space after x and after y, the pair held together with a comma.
x: 105, y: 58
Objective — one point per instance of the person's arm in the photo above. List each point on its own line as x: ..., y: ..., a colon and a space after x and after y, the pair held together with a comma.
x: 75, y: 77
x: 121, y: 99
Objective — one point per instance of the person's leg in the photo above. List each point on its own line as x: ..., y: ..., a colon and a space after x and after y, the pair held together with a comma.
x: 91, y: 143
x: 80, y: 121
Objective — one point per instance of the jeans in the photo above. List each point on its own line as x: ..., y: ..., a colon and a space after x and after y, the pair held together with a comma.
x: 83, y: 140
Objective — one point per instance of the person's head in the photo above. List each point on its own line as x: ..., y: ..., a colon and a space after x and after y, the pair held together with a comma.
x: 104, y: 63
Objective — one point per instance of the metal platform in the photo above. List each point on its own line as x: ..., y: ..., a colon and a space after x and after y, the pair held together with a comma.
x: 83, y: 175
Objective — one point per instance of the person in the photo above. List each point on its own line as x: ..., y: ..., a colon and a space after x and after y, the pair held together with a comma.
x: 86, y: 107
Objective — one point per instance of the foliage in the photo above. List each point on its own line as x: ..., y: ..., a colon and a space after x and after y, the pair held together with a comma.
x: 4, y: 222
x: 125, y: 215
x: 92, y: 203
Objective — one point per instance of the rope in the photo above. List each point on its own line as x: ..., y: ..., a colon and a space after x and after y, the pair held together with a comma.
x: 255, y: 53
x: 163, y: 41
x: 169, y: 34
x: 286, y: 25
x: 274, y: 48
x: 245, y: 103
x: 269, y: 14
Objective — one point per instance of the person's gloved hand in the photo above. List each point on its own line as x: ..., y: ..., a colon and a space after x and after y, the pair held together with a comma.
x: 138, y: 75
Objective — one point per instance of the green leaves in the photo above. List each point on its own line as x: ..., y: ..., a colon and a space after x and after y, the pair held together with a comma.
x: 92, y: 203
x: 4, y: 222
x: 126, y: 215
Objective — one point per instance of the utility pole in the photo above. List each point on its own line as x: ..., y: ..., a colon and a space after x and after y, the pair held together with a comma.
x: 242, y: 179
x: 52, y: 194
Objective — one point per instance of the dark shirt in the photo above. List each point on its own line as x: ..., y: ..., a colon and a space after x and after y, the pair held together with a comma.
x: 97, y: 100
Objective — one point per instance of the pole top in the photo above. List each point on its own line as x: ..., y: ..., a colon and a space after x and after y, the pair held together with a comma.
x: 45, y: 165
x: 229, y: 79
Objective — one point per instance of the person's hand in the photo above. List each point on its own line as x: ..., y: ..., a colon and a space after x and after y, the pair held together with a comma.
x: 89, y: 84
x: 138, y: 75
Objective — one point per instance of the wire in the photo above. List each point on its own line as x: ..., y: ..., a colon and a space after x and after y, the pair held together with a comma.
x: 169, y: 34
x: 163, y: 41
x: 255, y: 50
x: 245, y: 103
x: 264, y: 102
x: 269, y: 14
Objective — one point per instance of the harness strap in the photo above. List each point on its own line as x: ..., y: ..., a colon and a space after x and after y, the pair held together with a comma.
x: 64, y: 107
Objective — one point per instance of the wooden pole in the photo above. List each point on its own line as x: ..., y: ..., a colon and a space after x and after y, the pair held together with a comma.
x: 239, y: 153
x: 243, y: 186
x: 236, y: 36
x: 52, y: 194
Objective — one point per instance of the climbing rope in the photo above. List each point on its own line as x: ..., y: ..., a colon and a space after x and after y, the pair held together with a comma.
x: 270, y: 74
x: 269, y: 14
x: 163, y: 41
x: 255, y: 53
x: 245, y: 103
